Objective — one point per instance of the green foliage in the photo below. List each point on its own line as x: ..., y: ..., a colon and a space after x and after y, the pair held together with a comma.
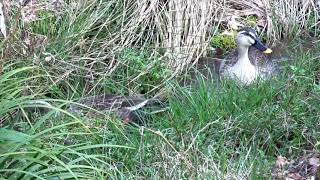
x: 47, y: 145
x: 140, y: 71
x: 210, y: 131
x: 225, y: 42
x: 251, y: 21
x: 250, y: 118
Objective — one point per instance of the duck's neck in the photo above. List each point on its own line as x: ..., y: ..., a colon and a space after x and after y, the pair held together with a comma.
x: 243, y: 58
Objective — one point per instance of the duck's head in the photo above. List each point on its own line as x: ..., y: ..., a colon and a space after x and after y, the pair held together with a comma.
x: 248, y: 37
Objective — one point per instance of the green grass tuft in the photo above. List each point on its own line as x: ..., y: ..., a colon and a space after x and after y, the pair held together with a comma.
x: 210, y: 130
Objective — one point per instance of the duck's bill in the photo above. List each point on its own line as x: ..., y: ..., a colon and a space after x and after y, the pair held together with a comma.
x: 261, y: 47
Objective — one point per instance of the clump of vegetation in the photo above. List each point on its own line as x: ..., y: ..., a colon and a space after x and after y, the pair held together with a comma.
x: 140, y: 71
x: 250, y: 21
x: 225, y: 42
x: 207, y: 132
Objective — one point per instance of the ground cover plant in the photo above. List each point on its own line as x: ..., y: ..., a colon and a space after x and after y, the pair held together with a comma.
x: 56, y: 52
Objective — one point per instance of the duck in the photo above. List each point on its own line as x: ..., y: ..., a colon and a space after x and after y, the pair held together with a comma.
x: 249, y: 62
x: 130, y: 109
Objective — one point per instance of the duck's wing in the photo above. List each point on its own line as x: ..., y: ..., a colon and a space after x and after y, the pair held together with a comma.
x: 258, y: 58
x: 109, y: 102
x: 265, y: 64
x: 230, y: 60
x: 125, y: 107
x: 112, y: 102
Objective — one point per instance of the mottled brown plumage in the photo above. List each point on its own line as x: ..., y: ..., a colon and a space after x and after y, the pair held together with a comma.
x: 125, y: 107
x: 110, y: 102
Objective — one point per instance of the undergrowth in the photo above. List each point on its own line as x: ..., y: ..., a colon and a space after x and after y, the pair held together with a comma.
x: 210, y: 131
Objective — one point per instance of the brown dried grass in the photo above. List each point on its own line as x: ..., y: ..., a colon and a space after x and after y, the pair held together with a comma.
x: 178, y: 30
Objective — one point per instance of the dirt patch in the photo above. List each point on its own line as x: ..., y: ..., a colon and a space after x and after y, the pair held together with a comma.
x: 304, y: 167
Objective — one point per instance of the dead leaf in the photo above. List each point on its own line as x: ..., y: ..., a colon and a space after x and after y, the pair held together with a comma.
x: 294, y: 176
x: 28, y: 14
x: 314, y: 161
x: 281, y: 161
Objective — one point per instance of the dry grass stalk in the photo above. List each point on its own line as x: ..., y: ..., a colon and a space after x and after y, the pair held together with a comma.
x: 179, y: 29
x: 280, y: 18
x: 293, y: 15
x: 186, y: 34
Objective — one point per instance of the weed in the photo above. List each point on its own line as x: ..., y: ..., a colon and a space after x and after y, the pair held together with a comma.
x: 226, y: 42
x: 208, y: 132
x: 140, y: 72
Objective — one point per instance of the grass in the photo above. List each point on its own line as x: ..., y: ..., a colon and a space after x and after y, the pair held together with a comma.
x: 238, y: 132
x: 208, y: 132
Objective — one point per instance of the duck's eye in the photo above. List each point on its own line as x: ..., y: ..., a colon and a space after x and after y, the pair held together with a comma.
x: 250, y: 35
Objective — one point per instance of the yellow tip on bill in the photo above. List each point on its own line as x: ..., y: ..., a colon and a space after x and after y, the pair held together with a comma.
x: 267, y: 51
